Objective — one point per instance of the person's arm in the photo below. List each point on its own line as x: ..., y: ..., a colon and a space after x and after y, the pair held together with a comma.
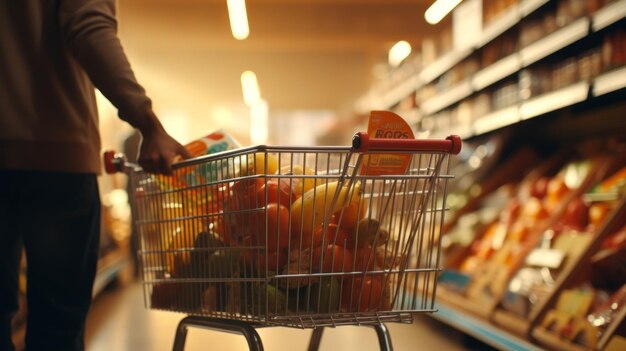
x: 89, y: 29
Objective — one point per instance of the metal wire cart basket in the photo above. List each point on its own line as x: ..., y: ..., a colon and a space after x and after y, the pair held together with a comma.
x: 304, y: 237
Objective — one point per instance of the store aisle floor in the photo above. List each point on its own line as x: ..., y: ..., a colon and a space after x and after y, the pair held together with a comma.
x: 120, y: 322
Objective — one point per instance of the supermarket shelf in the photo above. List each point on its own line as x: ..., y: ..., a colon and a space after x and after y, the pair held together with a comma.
x: 510, y: 65
x: 612, y: 328
x: 406, y: 88
x: 481, y: 329
x: 507, y: 67
x: 447, y: 98
x: 555, y: 41
x: 463, y: 132
x: 511, y: 322
x: 553, y: 341
x: 609, y: 82
x: 496, y: 120
x: 443, y: 64
x: 546, y: 103
x: 496, y: 72
x: 500, y: 25
x: 411, y: 116
x: 608, y: 15
x: 109, y: 266
x: 370, y: 100
x: 554, y: 100
x: 530, y: 6
x: 509, y: 20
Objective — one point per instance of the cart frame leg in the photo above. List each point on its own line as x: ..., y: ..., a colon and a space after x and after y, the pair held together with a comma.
x: 316, y: 339
x: 384, y: 339
x: 230, y: 326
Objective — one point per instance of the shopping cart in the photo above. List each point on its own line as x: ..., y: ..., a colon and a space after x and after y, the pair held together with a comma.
x: 304, y: 237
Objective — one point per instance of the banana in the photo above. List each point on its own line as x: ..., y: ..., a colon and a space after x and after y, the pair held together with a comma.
x: 315, y: 205
x: 256, y: 164
x: 299, y: 185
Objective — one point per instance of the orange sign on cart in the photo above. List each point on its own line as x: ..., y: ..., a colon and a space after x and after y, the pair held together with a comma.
x: 387, y: 125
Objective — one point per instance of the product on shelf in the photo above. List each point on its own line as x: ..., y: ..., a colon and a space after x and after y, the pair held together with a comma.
x: 468, y: 226
x: 562, y: 245
x: 388, y: 79
x: 426, y: 92
x: 569, y: 10
x: 594, y: 303
x: 499, y: 48
x: 535, y: 28
x: 590, y: 64
x: 478, y: 198
x: 614, y: 49
x: 478, y: 174
x: 481, y: 105
x: 497, y: 253
x: 534, y: 82
x: 505, y: 95
x: 493, y: 9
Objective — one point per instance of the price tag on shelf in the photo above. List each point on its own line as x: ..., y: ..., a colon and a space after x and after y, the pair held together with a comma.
x: 550, y: 258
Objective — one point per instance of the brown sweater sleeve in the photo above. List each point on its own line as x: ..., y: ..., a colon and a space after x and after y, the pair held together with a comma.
x: 89, y: 29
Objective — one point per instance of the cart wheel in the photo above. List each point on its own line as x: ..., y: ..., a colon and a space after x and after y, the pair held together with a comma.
x: 231, y: 326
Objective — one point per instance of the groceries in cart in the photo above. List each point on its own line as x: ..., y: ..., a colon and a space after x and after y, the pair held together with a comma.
x: 297, y: 236
x: 272, y: 224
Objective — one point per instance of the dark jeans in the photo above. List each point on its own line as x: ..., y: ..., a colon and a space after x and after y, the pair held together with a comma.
x: 55, y: 217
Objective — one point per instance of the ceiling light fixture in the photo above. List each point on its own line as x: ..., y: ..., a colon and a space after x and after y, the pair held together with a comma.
x: 398, y: 52
x: 437, y: 11
x: 238, y: 19
x: 250, y: 87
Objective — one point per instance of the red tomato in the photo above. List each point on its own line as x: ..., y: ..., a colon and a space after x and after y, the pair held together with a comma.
x: 332, y: 232
x: 239, y: 215
x: 210, y: 199
x: 276, y: 260
x: 365, y: 295
x: 336, y: 259
x: 244, y: 194
x: 576, y: 214
x: 335, y: 235
x: 277, y: 224
x: 351, y: 215
x: 277, y: 192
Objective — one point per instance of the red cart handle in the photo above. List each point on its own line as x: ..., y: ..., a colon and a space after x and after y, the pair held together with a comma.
x: 114, y: 162
x: 361, y: 142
